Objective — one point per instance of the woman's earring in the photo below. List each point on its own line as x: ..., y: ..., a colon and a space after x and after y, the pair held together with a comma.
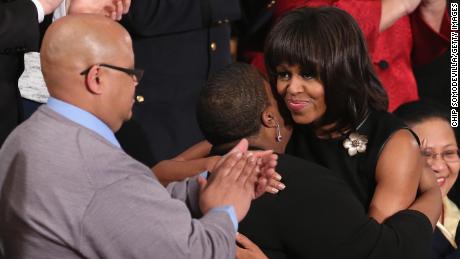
x: 278, y: 133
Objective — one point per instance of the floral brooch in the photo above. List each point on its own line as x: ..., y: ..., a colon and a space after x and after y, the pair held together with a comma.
x: 355, y: 143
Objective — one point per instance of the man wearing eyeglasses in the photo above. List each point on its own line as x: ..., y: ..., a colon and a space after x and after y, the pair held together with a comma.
x: 67, y: 189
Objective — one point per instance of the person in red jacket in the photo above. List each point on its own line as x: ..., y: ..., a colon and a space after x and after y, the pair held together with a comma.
x: 399, y: 34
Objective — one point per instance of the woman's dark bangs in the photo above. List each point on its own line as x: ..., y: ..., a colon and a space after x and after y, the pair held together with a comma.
x: 293, y: 47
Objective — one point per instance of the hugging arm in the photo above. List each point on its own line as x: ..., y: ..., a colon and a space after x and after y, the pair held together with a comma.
x: 399, y: 172
x: 191, y: 162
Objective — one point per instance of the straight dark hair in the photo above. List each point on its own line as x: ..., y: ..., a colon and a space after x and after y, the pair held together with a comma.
x: 418, y: 111
x: 327, y: 43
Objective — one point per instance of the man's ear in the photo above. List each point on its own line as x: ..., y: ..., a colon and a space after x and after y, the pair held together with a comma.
x: 268, y: 119
x: 93, y: 80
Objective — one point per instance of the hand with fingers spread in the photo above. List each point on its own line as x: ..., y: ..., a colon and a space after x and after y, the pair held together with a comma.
x: 246, y: 249
x: 110, y: 8
x: 232, y: 183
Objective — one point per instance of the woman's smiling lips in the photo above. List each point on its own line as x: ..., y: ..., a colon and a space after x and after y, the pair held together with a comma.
x: 441, y: 181
x: 297, y: 105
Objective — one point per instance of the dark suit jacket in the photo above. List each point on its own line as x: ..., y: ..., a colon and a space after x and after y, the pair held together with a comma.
x: 441, y: 248
x: 318, y: 216
x: 19, y: 33
x: 178, y: 43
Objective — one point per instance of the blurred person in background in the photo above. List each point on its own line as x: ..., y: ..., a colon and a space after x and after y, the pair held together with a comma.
x: 439, y: 148
x: 178, y: 43
x: 19, y: 34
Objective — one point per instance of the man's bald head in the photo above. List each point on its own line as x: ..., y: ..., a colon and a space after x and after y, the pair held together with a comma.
x: 76, y: 42
x: 95, y: 46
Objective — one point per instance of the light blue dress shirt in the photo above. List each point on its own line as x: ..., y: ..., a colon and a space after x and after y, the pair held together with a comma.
x: 83, y: 118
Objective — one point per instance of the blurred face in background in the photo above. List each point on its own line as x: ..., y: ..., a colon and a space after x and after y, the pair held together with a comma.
x: 439, y: 148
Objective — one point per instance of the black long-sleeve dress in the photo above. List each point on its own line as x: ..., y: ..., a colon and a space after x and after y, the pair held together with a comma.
x: 318, y: 216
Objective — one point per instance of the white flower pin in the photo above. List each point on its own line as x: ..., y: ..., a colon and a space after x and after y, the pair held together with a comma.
x: 355, y: 143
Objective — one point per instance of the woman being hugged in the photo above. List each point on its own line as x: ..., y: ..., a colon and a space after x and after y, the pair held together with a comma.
x: 317, y: 59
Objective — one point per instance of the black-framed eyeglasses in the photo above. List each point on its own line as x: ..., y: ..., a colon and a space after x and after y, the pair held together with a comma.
x: 135, y: 73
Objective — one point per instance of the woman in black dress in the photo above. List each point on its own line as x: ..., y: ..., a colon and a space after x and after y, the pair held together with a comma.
x: 317, y: 215
x: 317, y: 59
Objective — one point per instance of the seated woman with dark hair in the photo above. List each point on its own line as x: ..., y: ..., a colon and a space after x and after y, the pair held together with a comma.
x: 439, y: 148
x: 317, y: 215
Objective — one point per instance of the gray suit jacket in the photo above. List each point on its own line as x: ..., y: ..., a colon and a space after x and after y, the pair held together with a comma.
x: 66, y: 192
